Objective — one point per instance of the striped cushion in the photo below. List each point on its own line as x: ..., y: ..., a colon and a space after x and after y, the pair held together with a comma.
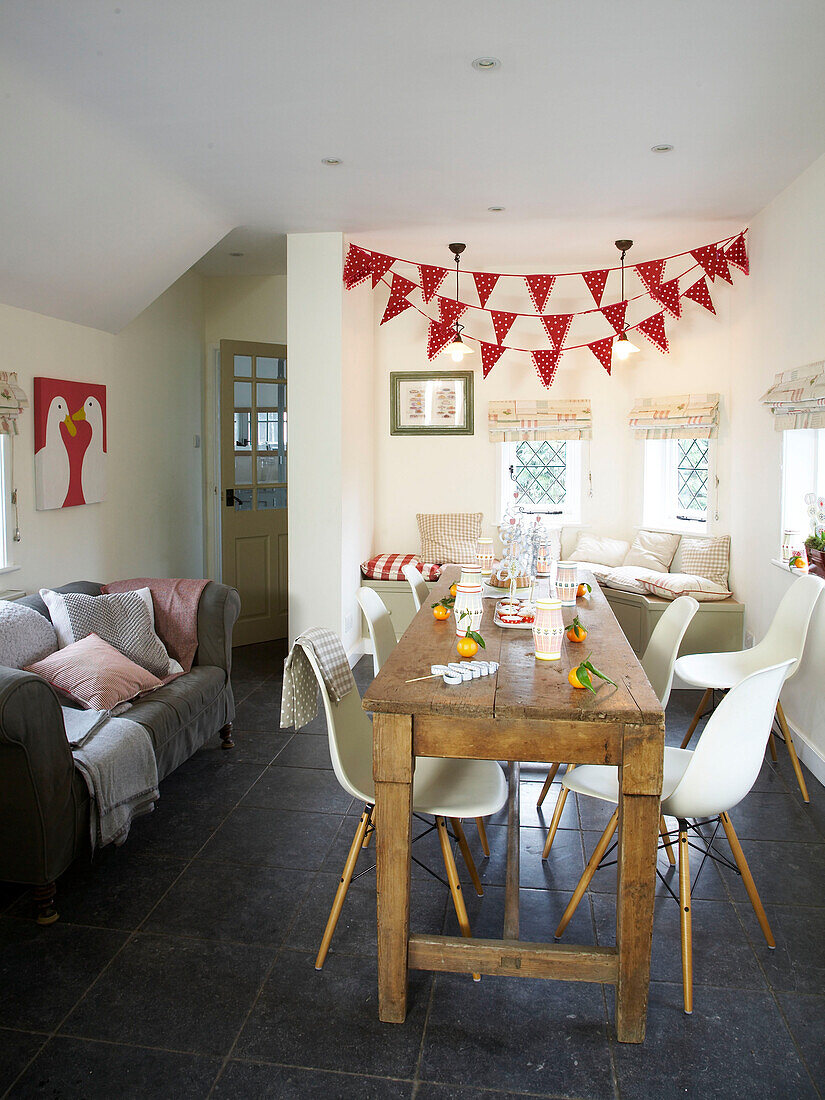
x: 671, y: 585
x: 449, y: 536
x: 389, y: 567
x: 94, y: 674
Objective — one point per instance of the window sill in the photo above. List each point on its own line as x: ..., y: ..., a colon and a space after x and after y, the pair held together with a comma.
x: 783, y: 565
x: 676, y: 529
x: 10, y: 569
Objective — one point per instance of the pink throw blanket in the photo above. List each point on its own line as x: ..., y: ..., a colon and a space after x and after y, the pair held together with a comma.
x: 176, y: 612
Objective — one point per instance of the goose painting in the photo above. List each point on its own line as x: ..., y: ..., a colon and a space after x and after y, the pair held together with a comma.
x: 70, y: 442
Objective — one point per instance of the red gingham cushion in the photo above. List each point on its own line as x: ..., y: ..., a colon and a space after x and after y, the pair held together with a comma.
x: 387, y: 567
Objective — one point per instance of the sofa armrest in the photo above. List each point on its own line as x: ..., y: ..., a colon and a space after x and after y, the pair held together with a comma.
x: 37, y: 799
x: 218, y: 611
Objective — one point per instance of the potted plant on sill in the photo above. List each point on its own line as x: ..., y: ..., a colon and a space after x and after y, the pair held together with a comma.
x: 815, y: 548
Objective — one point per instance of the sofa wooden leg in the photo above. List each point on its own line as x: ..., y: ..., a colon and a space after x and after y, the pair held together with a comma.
x: 44, y: 899
x: 226, y: 737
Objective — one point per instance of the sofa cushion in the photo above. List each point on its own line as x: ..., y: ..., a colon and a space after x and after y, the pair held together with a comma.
x: 704, y: 557
x: 630, y: 578
x: 389, y: 567
x: 25, y: 636
x: 671, y: 585
x: 598, y: 548
x: 652, y: 550
x: 449, y: 536
x: 94, y: 674
x: 600, y: 572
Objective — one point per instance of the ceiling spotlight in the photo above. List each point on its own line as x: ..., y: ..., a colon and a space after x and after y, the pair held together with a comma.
x: 331, y: 161
x: 496, y: 209
x: 236, y: 253
x: 486, y: 64
x: 664, y: 148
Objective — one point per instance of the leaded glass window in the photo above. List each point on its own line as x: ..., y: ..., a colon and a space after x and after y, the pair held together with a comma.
x: 692, y: 477
x: 540, y: 472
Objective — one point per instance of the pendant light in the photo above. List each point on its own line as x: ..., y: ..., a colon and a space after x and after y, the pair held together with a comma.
x: 456, y: 348
x: 622, y: 346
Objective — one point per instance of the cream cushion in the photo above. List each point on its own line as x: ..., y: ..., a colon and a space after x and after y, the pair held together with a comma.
x: 652, y: 550
x: 630, y: 578
x: 449, y: 537
x: 671, y: 585
x: 597, y: 548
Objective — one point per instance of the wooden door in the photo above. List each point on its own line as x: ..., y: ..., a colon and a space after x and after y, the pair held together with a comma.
x: 254, y: 486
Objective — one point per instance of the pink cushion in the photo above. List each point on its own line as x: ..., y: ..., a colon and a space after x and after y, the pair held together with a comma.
x: 94, y: 674
x: 388, y: 567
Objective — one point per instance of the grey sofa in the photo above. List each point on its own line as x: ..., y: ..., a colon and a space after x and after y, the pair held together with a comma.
x: 44, y: 802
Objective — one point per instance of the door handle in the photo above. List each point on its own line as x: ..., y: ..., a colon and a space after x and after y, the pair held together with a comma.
x: 232, y: 499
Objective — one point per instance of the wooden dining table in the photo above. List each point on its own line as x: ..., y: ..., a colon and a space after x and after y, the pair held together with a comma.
x: 527, y: 711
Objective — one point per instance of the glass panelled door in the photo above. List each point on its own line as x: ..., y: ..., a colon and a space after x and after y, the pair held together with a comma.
x: 254, y: 485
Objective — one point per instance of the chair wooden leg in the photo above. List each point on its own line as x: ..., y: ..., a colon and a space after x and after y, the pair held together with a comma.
x: 44, y: 899
x: 482, y: 836
x: 343, y: 886
x: 467, y: 854
x: 700, y: 710
x: 747, y: 878
x: 797, y: 767
x: 666, y: 838
x: 589, y: 872
x: 684, y: 908
x: 556, y: 818
x: 455, y: 885
x: 772, y: 747
x: 551, y: 775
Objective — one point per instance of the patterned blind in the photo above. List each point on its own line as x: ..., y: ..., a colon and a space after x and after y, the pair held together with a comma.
x: 12, y: 402
x: 517, y: 421
x: 797, y: 398
x: 687, y: 416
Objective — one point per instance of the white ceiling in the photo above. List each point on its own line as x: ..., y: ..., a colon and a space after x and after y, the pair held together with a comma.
x: 137, y: 133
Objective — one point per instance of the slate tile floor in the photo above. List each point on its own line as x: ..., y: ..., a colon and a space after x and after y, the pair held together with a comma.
x: 182, y: 965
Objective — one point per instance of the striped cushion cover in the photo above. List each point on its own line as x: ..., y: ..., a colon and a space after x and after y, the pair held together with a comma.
x: 389, y: 567
x: 671, y: 585
x: 94, y: 674
x: 449, y: 536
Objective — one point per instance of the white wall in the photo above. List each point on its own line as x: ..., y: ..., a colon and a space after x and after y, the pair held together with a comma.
x: 778, y: 323
x: 150, y: 523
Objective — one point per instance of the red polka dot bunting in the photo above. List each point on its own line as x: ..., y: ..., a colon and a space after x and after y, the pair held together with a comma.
x: 502, y: 323
x: 431, y: 279
x: 557, y: 325
x: 485, y: 284
x: 438, y: 336
x: 397, y: 301
x: 490, y: 355
x: 668, y: 295
x: 450, y: 310
x: 380, y: 266
x: 546, y: 363
x: 603, y: 350
x: 615, y: 314
x: 722, y: 269
x: 595, y: 283
x: 706, y: 258
x: 654, y: 329
x: 357, y: 266
x: 699, y: 293
x: 651, y: 273
x: 737, y: 254
x: 539, y: 287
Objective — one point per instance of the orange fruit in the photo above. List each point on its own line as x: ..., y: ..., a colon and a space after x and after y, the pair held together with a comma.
x: 573, y: 678
x: 466, y: 647
x: 582, y: 590
x: 441, y: 612
x: 797, y: 562
x: 453, y: 590
x: 576, y: 632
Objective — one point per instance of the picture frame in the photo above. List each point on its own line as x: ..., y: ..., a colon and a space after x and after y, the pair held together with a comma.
x: 431, y: 402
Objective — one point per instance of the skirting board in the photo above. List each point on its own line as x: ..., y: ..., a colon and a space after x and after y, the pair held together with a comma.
x: 357, y: 651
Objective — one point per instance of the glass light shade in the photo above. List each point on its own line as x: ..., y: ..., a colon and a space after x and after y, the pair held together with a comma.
x: 622, y: 347
x: 457, y: 349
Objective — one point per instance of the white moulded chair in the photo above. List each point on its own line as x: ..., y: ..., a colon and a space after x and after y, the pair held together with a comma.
x: 379, y: 624
x: 784, y: 641
x: 658, y: 661
x: 420, y: 589
x: 443, y: 789
x: 704, y: 784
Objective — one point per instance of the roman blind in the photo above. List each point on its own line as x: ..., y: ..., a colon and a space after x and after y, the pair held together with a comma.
x: 12, y: 402
x: 687, y: 416
x: 797, y: 398
x: 517, y: 421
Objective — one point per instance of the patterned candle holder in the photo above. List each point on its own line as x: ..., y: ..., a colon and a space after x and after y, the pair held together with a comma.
x: 484, y: 553
x: 567, y: 582
x: 470, y: 574
x: 792, y: 543
x: 544, y: 560
x: 468, y: 608
x: 548, y: 630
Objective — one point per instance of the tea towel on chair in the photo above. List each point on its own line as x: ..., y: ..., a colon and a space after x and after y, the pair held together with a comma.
x: 299, y: 701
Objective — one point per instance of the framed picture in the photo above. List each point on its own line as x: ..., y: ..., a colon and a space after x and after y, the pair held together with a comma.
x: 431, y: 402
x: 70, y: 443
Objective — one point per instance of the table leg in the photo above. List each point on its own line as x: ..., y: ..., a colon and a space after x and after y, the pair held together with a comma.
x: 393, y: 772
x: 639, y: 815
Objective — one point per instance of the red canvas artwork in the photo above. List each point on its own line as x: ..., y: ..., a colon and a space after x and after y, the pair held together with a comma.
x: 70, y: 443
